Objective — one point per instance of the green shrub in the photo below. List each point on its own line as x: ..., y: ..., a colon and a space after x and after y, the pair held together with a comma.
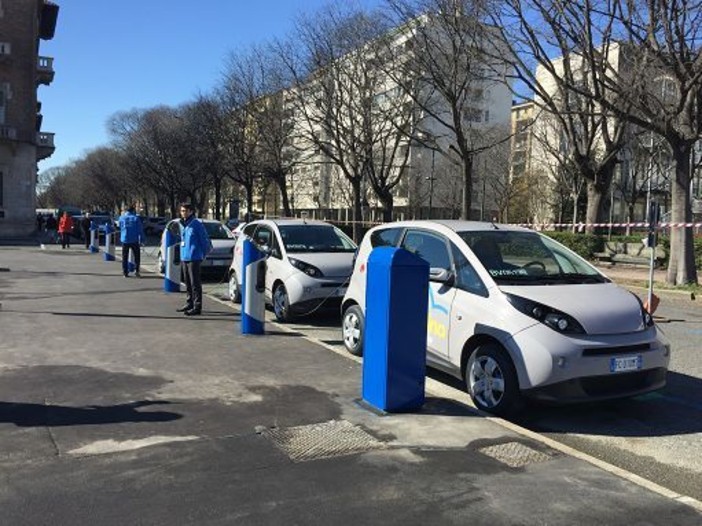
x: 585, y: 245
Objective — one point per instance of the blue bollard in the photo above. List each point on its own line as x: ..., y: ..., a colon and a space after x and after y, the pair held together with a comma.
x: 109, y: 254
x: 171, y: 275
x: 395, y: 336
x: 253, y: 285
x: 94, y: 238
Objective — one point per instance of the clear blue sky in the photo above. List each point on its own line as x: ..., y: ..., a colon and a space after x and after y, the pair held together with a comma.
x: 117, y: 55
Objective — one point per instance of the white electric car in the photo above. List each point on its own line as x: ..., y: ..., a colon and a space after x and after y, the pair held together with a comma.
x: 218, y: 260
x: 515, y: 314
x: 308, y: 265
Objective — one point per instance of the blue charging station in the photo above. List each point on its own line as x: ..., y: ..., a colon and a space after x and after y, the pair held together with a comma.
x: 109, y: 254
x: 395, y: 336
x: 171, y: 274
x: 253, y: 285
x: 94, y: 238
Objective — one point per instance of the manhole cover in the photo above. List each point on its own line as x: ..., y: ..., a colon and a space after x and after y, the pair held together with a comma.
x: 515, y: 454
x: 329, y: 439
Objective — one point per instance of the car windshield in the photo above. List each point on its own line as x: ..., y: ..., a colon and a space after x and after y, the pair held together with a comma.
x: 217, y: 230
x: 315, y: 238
x: 528, y: 258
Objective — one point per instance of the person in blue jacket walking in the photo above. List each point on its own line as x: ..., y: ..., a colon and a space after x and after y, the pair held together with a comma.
x: 195, y: 244
x: 131, y: 234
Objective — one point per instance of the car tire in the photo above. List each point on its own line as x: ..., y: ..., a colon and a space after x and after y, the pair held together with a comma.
x: 281, y: 304
x: 491, y: 381
x: 234, y: 289
x: 352, y: 326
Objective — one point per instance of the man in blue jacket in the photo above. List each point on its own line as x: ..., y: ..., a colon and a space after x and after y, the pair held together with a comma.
x: 131, y: 234
x: 195, y: 244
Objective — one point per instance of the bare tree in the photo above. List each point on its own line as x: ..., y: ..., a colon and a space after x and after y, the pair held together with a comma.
x: 646, y: 64
x: 253, y: 89
x: 344, y: 114
x: 453, y: 74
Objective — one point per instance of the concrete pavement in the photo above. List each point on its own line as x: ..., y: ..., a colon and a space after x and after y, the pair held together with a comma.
x: 114, y: 409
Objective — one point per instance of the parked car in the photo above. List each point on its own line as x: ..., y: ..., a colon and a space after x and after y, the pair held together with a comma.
x: 154, y: 225
x: 517, y: 315
x: 99, y: 220
x: 222, y: 239
x: 308, y: 267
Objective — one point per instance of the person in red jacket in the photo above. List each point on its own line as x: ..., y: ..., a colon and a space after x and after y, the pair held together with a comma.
x: 65, y: 227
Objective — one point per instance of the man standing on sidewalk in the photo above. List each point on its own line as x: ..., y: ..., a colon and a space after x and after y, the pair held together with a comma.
x: 85, y: 229
x: 195, y: 244
x: 131, y: 234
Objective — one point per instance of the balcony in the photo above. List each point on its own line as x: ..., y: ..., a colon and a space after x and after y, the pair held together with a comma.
x: 45, y: 70
x: 45, y: 145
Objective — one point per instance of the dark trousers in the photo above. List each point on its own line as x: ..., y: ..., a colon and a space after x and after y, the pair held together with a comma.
x: 134, y: 247
x: 86, y: 236
x: 193, y: 283
x: 65, y: 239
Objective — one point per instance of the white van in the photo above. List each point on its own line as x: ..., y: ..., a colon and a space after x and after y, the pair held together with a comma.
x: 515, y: 314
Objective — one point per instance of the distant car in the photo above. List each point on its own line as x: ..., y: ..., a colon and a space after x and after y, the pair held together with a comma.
x: 308, y: 268
x: 222, y: 239
x: 99, y: 220
x: 154, y: 225
x: 232, y: 224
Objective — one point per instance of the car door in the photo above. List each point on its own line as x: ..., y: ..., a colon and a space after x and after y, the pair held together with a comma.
x: 434, y: 249
x: 472, y: 310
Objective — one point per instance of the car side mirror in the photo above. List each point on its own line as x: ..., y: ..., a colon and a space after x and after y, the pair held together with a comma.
x: 442, y: 275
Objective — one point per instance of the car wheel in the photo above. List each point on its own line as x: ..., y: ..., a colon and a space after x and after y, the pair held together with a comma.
x: 281, y: 304
x: 352, y: 325
x: 492, y: 382
x: 161, y: 264
x: 234, y: 290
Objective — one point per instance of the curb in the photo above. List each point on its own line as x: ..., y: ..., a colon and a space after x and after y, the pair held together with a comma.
x: 439, y: 389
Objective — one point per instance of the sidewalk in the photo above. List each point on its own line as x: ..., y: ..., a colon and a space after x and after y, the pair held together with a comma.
x: 115, y: 409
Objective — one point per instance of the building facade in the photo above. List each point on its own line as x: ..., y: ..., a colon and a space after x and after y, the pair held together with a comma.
x: 23, y: 24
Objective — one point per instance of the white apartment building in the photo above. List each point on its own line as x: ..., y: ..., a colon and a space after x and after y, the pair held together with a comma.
x: 431, y: 179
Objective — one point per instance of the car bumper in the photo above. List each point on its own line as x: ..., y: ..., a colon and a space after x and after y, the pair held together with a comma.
x: 305, y: 292
x: 569, y: 368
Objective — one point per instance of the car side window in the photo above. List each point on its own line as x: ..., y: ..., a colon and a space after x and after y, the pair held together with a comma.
x: 387, y: 237
x: 174, y: 228
x: 466, y: 277
x: 249, y: 230
x: 430, y: 247
x: 263, y: 236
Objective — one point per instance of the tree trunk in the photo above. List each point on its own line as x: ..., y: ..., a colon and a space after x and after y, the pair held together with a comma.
x: 249, y: 202
x: 283, y: 187
x: 388, y: 205
x: 218, y: 198
x: 467, y: 187
x: 356, y: 188
x: 681, y: 266
x: 594, y: 205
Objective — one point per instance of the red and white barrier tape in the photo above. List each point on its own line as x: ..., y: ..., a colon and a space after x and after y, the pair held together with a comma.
x: 581, y: 226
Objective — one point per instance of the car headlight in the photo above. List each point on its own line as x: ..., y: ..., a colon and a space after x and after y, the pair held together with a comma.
x: 553, y: 318
x: 308, y: 269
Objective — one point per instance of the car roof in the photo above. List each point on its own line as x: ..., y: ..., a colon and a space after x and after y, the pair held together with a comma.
x: 293, y: 221
x: 456, y: 225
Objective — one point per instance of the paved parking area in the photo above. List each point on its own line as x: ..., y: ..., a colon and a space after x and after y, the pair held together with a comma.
x: 114, y: 409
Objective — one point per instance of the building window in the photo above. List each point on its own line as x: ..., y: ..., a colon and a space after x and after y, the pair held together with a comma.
x: 3, y: 102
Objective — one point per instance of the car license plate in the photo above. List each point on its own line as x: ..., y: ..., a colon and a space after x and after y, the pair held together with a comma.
x: 340, y: 292
x: 219, y: 262
x: 626, y: 363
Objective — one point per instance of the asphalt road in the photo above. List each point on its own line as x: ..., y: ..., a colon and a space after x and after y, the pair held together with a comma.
x: 656, y: 436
